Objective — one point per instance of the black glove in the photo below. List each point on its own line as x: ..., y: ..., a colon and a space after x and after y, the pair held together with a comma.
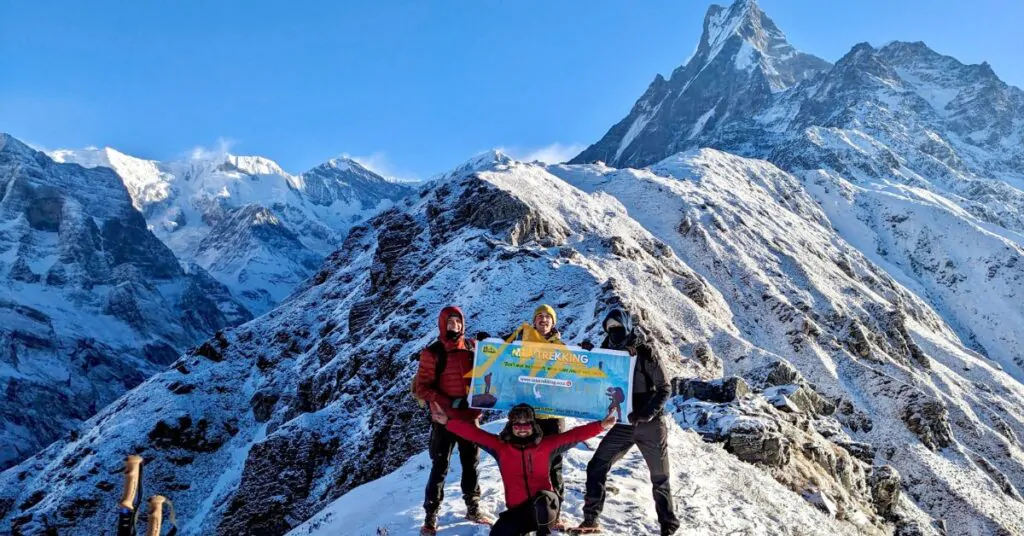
x: 482, y: 335
x: 587, y: 345
x: 460, y: 403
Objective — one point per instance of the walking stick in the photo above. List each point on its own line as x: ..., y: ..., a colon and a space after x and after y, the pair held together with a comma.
x: 156, y: 516
x: 128, y: 508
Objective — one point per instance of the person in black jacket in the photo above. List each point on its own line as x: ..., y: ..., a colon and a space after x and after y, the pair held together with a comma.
x: 646, y: 429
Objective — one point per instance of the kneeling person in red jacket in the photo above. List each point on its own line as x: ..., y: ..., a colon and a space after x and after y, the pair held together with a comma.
x: 524, y: 455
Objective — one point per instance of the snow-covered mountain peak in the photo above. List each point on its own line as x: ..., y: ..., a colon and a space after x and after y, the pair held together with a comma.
x: 742, y: 64
x: 146, y: 182
x: 253, y: 165
x: 744, y: 34
x: 742, y: 18
x: 253, y: 225
x: 487, y: 160
x: 342, y: 163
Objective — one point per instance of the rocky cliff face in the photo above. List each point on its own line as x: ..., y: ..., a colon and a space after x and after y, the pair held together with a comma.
x: 256, y: 228
x: 852, y: 378
x: 91, y: 302
x: 742, y: 65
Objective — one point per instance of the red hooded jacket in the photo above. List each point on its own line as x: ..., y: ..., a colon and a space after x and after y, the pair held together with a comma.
x: 525, y: 470
x: 454, y: 381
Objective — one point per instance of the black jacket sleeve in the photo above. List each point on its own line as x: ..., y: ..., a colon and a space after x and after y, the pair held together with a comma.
x: 658, y: 381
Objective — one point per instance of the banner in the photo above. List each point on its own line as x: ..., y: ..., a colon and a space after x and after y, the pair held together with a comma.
x: 553, y: 378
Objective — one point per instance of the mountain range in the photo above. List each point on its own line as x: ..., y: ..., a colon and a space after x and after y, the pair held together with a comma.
x: 827, y: 257
x: 253, y: 226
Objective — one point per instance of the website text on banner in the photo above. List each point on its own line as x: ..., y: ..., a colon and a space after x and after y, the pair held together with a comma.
x: 553, y: 378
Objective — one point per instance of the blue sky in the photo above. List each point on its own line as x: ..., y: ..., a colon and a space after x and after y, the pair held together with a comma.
x: 412, y: 87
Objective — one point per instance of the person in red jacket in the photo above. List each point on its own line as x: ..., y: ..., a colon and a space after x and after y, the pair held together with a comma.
x: 524, y: 453
x: 448, y: 389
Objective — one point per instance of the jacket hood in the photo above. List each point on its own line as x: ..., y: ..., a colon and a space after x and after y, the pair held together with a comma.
x: 442, y: 319
x: 518, y: 412
x: 634, y: 336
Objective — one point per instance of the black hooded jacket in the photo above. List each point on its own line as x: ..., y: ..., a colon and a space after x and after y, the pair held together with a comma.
x: 651, y: 388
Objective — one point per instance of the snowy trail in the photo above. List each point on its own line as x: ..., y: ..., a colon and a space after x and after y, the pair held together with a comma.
x: 715, y: 493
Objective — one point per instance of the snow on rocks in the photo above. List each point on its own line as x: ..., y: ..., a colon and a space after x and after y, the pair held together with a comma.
x: 256, y: 228
x: 336, y: 356
x: 715, y: 493
x: 737, y: 270
x: 91, y: 302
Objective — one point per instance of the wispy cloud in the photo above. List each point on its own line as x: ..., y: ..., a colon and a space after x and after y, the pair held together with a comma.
x: 379, y: 163
x: 555, y: 153
x: 222, y: 148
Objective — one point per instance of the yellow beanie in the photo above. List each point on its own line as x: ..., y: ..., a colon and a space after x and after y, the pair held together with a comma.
x: 544, y: 308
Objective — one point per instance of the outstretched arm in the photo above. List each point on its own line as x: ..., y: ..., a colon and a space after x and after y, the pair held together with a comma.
x: 467, y: 430
x: 565, y: 440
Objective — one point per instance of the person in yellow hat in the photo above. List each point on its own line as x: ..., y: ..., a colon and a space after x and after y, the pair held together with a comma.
x: 543, y: 330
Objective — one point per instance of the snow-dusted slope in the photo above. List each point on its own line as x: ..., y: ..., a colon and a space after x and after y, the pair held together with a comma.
x: 842, y: 320
x: 91, y: 303
x: 707, y: 482
x: 287, y: 405
x: 927, y: 151
x: 253, y: 226
x: 731, y: 265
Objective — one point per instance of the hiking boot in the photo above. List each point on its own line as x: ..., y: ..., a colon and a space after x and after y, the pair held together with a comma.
x: 669, y: 530
x: 474, y: 514
x: 429, y: 525
x: 588, y: 526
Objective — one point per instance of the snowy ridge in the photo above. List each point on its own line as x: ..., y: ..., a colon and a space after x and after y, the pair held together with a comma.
x: 737, y: 270
x: 706, y: 481
x: 201, y: 208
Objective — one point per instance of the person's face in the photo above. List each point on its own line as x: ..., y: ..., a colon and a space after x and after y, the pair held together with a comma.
x: 543, y: 323
x: 522, y: 428
x: 454, y: 324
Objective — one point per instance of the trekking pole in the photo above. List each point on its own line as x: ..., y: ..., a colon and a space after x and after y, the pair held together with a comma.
x: 156, y: 516
x: 128, y: 508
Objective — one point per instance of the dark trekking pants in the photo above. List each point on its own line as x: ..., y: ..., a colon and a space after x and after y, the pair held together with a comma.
x: 442, y: 443
x: 551, y: 427
x: 533, y: 515
x: 652, y: 440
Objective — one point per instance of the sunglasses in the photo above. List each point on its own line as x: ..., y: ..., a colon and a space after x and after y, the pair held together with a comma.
x: 522, y: 425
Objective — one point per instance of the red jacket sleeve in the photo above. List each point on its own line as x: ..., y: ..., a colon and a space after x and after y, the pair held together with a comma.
x: 469, y: 431
x: 425, y: 378
x: 567, y: 439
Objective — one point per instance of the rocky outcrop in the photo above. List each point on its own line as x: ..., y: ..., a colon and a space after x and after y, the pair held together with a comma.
x: 885, y: 490
x: 929, y: 420
x: 788, y: 445
x: 719, y: 391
